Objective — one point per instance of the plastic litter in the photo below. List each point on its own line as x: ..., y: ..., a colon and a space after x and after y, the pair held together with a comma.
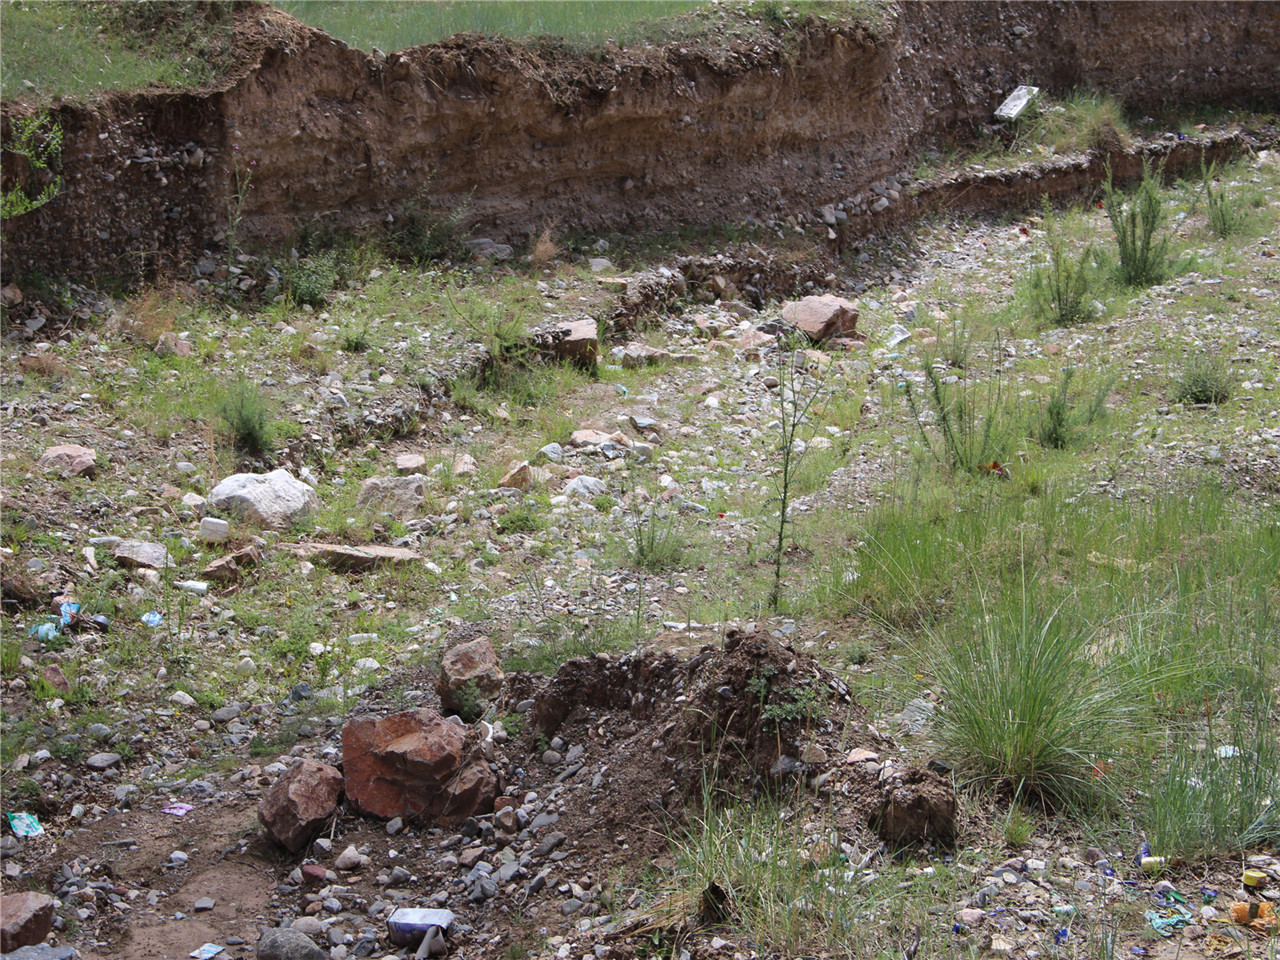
x: 178, y: 809
x: 46, y: 631
x: 24, y: 825
x: 152, y: 619
x: 410, y: 925
x: 1227, y: 750
x: 206, y: 952
x: 1168, y: 926
x: 1260, y: 917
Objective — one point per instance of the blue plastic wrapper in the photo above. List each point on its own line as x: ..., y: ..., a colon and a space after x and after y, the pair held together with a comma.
x: 44, y: 632
x: 152, y: 619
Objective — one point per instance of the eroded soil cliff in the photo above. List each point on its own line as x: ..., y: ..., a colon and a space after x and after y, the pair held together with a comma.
x: 746, y: 122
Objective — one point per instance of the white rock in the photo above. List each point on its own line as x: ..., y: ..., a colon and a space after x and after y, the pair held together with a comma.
x: 586, y: 487
x: 183, y: 699
x: 276, y: 499
x: 214, y: 530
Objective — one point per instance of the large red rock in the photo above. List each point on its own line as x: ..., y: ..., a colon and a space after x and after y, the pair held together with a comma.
x: 468, y: 672
x: 576, y: 342
x: 70, y: 460
x: 25, y: 920
x: 299, y: 803
x: 822, y: 316
x: 418, y: 766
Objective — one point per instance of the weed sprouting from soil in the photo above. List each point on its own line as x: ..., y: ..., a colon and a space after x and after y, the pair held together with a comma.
x: 1143, y: 246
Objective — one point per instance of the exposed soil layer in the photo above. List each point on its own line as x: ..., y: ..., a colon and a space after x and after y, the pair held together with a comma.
x: 708, y: 131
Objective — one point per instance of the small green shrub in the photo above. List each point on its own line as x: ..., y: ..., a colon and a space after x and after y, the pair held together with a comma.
x: 247, y: 415
x: 312, y: 278
x: 423, y: 231
x: 1204, y: 379
x: 39, y: 139
x: 1061, y: 292
x: 1142, y: 247
x: 355, y: 338
x: 1061, y: 423
x: 604, y: 503
x: 471, y: 704
x: 522, y: 518
x: 975, y: 429
x: 657, y: 545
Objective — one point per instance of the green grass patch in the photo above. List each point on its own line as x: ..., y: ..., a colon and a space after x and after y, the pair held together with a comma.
x: 397, y: 25
x: 80, y: 49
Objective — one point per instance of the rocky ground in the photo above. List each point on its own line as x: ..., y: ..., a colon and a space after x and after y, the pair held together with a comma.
x: 236, y: 636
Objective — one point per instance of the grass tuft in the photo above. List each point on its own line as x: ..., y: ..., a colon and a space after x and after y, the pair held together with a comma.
x: 1031, y: 713
x: 1204, y: 379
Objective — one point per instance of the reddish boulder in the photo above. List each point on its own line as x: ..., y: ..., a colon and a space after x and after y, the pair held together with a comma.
x: 69, y: 460
x: 823, y: 316
x: 25, y: 920
x: 299, y: 803
x: 469, y: 672
x: 576, y: 342
x: 418, y: 766
x: 172, y: 345
x: 55, y: 678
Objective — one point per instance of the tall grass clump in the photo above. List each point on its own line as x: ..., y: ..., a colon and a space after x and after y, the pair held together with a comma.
x: 749, y: 864
x: 1084, y: 121
x: 1203, y: 379
x: 1228, y: 215
x: 1219, y: 788
x: 1142, y: 247
x: 1032, y: 711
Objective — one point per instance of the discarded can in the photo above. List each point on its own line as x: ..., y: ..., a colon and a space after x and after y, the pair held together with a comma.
x: 1254, y: 879
x: 1144, y: 851
x: 409, y: 925
x: 1153, y: 864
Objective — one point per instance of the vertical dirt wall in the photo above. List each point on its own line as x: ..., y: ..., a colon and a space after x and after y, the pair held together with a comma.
x: 629, y: 140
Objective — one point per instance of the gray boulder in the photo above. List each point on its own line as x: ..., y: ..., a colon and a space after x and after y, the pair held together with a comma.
x: 285, y: 944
